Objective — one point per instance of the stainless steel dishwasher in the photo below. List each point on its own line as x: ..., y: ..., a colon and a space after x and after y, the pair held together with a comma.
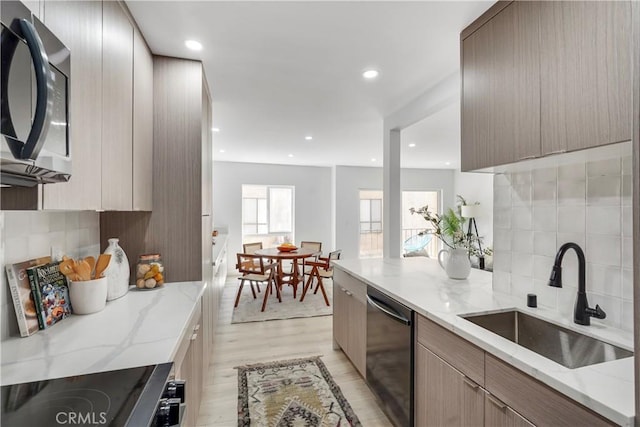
x: 390, y: 356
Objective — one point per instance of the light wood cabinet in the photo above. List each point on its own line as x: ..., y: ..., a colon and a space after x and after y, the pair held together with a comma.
x: 448, y: 392
x: 540, y: 78
x: 78, y: 24
x: 207, y: 151
x: 350, y: 318
x: 117, y: 110
x: 190, y: 368
x: 500, y: 96
x: 585, y: 74
x: 142, y: 124
x: 444, y: 396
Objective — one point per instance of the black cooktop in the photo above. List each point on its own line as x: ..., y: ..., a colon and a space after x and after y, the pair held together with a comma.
x: 100, y: 399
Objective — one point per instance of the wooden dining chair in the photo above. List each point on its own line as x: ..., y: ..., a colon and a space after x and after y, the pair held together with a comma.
x: 251, y: 248
x: 314, y: 246
x: 321, y: 269
x: 255, y: 270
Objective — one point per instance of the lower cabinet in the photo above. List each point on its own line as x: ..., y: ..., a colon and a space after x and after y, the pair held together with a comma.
x: 498, y: 395
x: 190, y: 366
x: 350, y: 318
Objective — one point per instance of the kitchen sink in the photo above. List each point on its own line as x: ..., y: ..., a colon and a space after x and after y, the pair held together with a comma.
x: 564, y: 346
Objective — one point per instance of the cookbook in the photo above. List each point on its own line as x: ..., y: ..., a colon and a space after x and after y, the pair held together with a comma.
x: 50, y: 293
x: 23, y: 300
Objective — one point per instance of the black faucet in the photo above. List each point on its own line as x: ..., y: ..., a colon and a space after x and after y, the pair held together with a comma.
x: 582, y: 313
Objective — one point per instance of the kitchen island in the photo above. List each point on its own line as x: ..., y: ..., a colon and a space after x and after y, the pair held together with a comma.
x: 419, y: 283
x: 141, y: 328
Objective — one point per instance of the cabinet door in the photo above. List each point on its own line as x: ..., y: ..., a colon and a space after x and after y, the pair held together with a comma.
x: 340, y: 317
x: 142, y: 124
x: 500, y: 89
x: 34, y: 7
x: 357, y: 332
x: 585, y: 74
x: 78, y: 24
x: 207, y: 152
x: 117, y: 102
x: 443, y: 395
x: 498, y: 414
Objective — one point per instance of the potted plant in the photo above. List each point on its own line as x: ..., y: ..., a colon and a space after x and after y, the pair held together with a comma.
x: 449, y: 228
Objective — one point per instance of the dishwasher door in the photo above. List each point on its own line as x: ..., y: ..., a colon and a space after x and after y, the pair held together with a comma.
x: 390, y: 356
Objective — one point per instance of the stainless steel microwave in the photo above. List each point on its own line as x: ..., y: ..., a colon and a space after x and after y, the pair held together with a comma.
x: 35, y: 83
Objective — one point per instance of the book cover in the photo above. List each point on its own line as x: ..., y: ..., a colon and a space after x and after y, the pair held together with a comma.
x: 23, y: 300
x: 51, y: 293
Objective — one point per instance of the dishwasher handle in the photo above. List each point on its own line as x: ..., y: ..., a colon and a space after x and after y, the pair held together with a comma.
x: 388, y: 310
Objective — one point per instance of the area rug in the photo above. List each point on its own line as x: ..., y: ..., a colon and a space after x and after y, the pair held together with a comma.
x: 248, y: 309
x: 297, y: 392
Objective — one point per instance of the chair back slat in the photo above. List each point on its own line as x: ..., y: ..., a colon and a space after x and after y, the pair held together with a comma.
x: 251, y: 248
x: 314, y: 246
x: 249, y: 263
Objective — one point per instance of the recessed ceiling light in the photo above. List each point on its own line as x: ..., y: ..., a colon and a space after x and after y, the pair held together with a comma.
x: 215, y: 129
x: 412, y: 145
x: 290, y: 155
x: 373, y: 160
x: 370, y: 74
x: 447, y: 163
x: 222, y: 151
x: 193, y: 45
x: 308, y: 137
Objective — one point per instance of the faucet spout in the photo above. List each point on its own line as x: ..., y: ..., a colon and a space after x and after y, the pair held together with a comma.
x: 582, y: 312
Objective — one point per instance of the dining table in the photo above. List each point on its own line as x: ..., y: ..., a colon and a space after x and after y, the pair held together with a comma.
x: 293, y: 278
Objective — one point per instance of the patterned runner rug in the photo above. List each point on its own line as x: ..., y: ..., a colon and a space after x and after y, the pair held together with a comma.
x: 297, y: 392
x: 248, y: 309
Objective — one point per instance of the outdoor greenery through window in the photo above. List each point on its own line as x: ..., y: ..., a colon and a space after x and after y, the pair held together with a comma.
x: 267, y: 214
x: 414, y: 244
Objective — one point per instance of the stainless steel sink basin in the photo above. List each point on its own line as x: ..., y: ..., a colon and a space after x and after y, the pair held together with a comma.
x: 568, y: 348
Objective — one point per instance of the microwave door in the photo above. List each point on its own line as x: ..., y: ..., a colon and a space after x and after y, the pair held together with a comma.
x: 16, y: 110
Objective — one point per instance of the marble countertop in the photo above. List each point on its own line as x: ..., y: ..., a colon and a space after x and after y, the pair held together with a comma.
x: 607, y: 388
x: 141, y: 328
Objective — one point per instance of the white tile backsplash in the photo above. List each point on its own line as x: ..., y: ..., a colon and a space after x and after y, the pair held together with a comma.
x: 27, y: 235
x: 587, y: 203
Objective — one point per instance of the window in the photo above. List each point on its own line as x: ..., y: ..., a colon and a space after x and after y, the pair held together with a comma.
x: 414, y: 224
x: 371, y: 224
x: 267, y: 214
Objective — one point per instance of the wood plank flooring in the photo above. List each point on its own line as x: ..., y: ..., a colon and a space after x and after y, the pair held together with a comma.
x: 257, y: 342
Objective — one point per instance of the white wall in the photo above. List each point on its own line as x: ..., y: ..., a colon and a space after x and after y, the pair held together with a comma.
x: 350, y: 180
x: 313, y: 200
x: 588, y: 203
x: 478, y: 187
x: 27, y: 235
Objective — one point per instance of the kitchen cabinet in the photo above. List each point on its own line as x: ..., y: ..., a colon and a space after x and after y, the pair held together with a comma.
x: 78, y: 24
x: 585, y: 74
x: 500, y: 96
x: 190, y: 367
x: 540, y: 78
x: 142, y: 124
x: 207, y: 150
x: 350, y: 318
x: 111, y: 111
x: 117, y: 110
x: 457, y: 383
x: 444, y: 396
x: 34, y: 7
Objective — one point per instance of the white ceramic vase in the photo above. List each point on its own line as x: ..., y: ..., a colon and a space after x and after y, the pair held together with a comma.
x: 455, y: 263
x: 117, y: 273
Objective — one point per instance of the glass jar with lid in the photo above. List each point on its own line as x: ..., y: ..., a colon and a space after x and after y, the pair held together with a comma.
x: 149, y: 271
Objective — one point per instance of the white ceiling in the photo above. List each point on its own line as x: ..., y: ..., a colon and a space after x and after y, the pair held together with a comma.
x: 279, y: 71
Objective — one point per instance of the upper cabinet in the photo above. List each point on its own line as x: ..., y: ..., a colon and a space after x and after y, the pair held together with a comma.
x: 142, y: 124
x: 117, y: 108
x: 540, y: 78
x: 207, y: 151
x: 79, y: 25
x: 111, y: 108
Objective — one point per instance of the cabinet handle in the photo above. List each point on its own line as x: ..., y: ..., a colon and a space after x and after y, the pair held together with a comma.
x: 347, y: 292
x: 470, y: 383
x: 194, y: 337
x: 562, y: 150
x: 196, y: 328
x: 533, y: 156
x: 496, y: 402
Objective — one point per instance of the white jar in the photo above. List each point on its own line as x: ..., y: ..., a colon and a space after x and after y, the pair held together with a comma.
x: 117, y: 273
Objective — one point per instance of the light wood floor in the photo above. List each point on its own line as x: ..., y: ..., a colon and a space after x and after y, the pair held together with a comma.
x: 257, y: 342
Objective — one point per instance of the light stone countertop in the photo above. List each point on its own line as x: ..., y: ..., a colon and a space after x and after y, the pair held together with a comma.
x: 141, y: 328
x: 607, y: 388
